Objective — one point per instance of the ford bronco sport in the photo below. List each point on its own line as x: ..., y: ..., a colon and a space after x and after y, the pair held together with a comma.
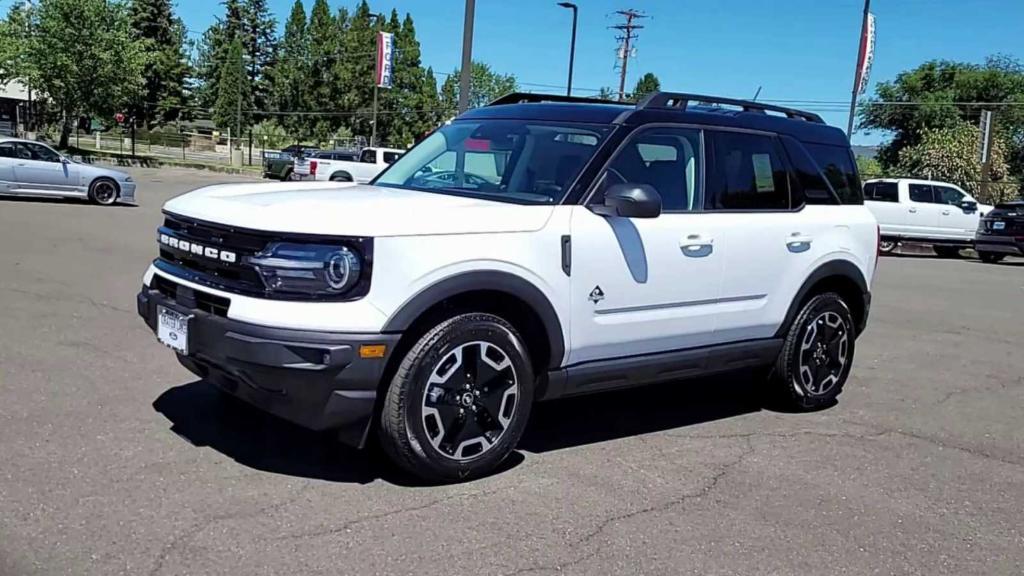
x: 536, y: 248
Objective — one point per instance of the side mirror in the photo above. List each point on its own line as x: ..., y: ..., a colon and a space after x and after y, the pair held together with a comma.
x: 969, y: 206
x: 630, y: 201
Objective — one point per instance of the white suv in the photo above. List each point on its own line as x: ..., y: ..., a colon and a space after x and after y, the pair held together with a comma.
x: 536, y: 248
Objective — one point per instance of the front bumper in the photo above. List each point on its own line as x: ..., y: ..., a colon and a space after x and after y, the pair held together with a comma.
x: 315, y: 379
x: 127, y: 192
x: 999, y: 244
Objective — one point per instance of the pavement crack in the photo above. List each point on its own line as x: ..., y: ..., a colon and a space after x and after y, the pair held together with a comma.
x: 998, y: 387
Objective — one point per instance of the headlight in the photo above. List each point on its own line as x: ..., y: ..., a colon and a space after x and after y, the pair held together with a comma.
x: 308, y: 269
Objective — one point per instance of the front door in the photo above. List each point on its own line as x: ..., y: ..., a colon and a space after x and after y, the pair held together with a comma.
x: 40, y: 168
x: 646, y: 285
x: 955, y: 222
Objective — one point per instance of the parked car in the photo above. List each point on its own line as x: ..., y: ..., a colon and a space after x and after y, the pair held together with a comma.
x: 29, y: 168
x: 536, y: 248
x: 278, y: 165
x: 924, y: 211
x: 371, y: 161
x: 1001, y: 232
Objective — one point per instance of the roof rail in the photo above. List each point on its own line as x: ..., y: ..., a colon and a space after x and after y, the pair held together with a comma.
x: 681, y: 100
x: 530, y: 98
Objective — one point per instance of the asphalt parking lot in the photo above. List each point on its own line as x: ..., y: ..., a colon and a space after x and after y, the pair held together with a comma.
x: 115, y: 460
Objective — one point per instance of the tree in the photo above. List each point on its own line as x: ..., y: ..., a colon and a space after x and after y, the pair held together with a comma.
x: 485, y: 85
x: 13, y: 38
x: 930, y: 97
x: 288, y: 76
x: 323, y: 39
x: 212, y: 51
x: 606, y: 93
x: 258, y: 33
x: 869, y: 168
x: 163, y: 39
x: 950, y: 155
x: 84, y: 56
x: 356, y: 69
x: 234, y: 94
x: 647, y: 84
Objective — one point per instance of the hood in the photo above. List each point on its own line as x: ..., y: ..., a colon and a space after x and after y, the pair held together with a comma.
x: 330, y: 208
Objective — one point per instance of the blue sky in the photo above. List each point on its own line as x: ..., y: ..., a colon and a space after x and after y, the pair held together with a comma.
x: 801, y: 50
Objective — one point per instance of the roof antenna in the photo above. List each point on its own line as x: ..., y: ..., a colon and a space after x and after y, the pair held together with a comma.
x: 756, y: 94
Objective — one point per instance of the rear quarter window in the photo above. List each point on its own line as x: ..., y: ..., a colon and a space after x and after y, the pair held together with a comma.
x: 882, y: 191
x: 837, y: 165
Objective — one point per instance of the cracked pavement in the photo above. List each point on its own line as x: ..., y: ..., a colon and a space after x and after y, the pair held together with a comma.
x: 114, y: 460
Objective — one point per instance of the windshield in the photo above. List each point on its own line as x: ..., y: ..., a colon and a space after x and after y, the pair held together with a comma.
x: 508, y: 160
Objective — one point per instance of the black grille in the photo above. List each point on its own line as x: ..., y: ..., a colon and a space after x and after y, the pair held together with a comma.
x: 234, y: 275
x: 197, y: 299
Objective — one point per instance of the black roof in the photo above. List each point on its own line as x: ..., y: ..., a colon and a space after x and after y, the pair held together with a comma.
x: 664, y: 107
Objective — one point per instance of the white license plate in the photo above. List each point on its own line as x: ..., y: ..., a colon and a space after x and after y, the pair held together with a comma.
x: 999, y: 225
x: 172, y: 329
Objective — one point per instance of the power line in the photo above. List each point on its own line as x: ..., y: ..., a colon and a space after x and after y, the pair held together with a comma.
x: 625, y: 39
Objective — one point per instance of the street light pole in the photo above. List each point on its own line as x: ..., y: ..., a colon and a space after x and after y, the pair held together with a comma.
x: 466, y: 73
x: 572, y: 43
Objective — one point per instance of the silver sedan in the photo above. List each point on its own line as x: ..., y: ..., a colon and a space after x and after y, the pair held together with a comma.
x: 30, y: 168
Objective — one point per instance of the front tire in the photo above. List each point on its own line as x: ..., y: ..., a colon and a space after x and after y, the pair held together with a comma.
x: 103, y: 191
x: 991, y: 257
x: 817, y: 355
x: 459, y: 402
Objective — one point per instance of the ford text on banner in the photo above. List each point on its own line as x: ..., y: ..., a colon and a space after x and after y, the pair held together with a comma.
x: 866, y: 56
x: 385, y: 59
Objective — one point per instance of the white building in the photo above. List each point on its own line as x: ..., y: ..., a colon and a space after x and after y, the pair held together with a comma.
x: 13, y: 108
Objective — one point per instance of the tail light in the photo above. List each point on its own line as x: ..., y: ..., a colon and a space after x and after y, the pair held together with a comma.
x: 312, y: 167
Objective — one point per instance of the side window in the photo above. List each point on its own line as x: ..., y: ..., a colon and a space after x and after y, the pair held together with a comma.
x: 7, y: 150
x: 747, y: 173
x: 882, y: 191
x: 40, y: 152
x: 390, y: 157
x: 947, y: 195
x: 369, y: 157
x: 667, y: 159
x: 836, y: 163
x: 921, y: 193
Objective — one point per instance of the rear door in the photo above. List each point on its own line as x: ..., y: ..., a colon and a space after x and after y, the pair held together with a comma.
x: 8, y: 157
x: 922, y: 211
x: 768, y: 237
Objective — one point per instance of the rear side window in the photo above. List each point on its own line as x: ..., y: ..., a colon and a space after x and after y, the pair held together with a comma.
x: 921, y: 193
x: 7, y: 150
x: 882, y: 191
x: 747, y: 173
x: 839, y: 168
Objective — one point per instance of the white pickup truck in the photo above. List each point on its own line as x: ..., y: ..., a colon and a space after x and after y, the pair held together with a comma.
x: 924, y: 211
x: 372, y: 161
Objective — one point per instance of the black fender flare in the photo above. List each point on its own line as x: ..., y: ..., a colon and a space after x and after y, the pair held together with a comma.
x: 840, y: 268
x: 342, y: 172
x: 485, y: 280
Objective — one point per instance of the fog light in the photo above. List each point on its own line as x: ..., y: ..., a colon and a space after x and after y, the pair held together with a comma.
x: 372, y: 350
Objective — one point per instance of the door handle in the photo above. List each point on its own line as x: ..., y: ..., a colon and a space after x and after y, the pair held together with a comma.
x: 22, y: 164
x: 798, y: 242
x: 913, y: 210
x: 945, y: 212
x: 697, y: 246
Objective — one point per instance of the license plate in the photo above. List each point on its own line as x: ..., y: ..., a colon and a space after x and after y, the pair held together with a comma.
x: 172, y: 329
x: 999, y: 225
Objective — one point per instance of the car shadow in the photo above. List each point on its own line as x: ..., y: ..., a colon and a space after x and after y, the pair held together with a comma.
x: 61, y: 200
x: 206, y: 417
x: 605, y: 416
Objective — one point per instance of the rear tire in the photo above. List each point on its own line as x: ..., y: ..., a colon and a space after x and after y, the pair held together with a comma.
x: 817, y: 355
x: 459, y: 402
x: 991, y: 257
x: 103, y: 191
x: 946, y: 251
x: 287, y: 176
x: 342, y: 177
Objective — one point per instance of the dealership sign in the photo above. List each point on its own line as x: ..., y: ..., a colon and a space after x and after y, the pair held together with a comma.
x: 385, y: 59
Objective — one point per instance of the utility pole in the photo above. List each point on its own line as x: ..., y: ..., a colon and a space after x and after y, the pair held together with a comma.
x: 466, y: 73
x: 626, y: 39
x: 985, y: 151
x: 862, y: 53
x: 238, y: 114
x: 572, y: 42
